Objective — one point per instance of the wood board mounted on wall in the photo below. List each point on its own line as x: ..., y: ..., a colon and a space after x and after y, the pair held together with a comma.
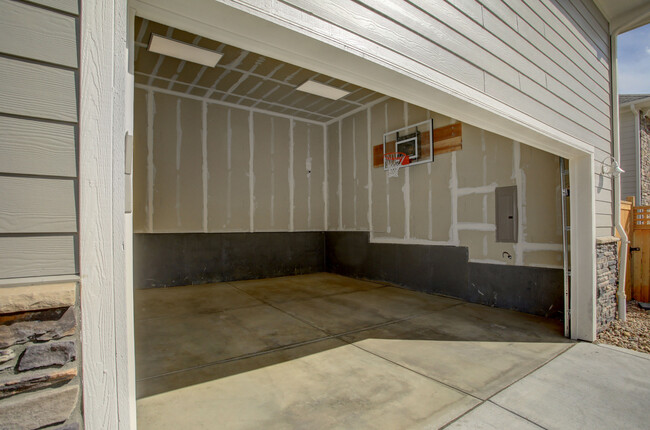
x: 445, y: 139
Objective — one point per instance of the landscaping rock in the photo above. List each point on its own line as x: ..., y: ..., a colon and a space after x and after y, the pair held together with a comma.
x: 46, y: 355
x: 45, y: 408
x: 632, y: 334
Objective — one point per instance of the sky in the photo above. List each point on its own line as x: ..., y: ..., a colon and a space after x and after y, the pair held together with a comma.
x: 634, y: 61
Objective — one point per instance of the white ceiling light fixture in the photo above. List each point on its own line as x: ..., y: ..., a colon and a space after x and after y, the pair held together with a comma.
x: 316, y: 88
x: 184, y: 51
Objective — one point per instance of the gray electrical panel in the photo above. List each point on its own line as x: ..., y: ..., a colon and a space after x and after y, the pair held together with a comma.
x: 506, y: 214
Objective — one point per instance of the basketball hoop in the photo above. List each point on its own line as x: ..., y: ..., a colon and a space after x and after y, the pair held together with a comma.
x: 393, y: 161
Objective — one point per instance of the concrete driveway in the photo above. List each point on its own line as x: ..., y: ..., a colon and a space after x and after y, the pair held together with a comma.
x: 324, y: 351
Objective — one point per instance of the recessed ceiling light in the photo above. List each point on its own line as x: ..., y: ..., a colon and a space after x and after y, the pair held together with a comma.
x: 313, y: 87
x: 184, y: 51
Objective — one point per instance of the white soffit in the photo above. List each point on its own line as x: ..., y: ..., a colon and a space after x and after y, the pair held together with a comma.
x: 318, y: 89
x: 624, y: 15
x: 184, y: 51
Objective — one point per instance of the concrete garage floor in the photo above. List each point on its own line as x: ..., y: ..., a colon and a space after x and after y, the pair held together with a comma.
x: 326, y: 351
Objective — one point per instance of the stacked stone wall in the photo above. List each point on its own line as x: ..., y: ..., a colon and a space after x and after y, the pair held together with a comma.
x: 607, y: 282
x: 39, y: 363
x: 644, y: 141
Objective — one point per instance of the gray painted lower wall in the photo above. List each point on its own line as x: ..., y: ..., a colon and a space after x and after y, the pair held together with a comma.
x: 195, y: 258
x: 446, y: 270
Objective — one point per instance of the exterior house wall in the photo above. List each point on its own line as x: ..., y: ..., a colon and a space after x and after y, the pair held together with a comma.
x: 629, y: 161
x: 548, y: 60
x: 39, y: 262
x: 38, y: 141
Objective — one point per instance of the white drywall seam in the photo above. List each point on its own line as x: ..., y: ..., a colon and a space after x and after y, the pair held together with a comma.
x: 465, y: 191
x: 430, y: 202
x: 484, y: 200
x: 213, y: 87
x: 242, y: 78
x: 354, y: 171
x: 525, y: 246
x: 387, y: 179
x: 272, y: 172
x: 204, y: 165
x: 411, y: 241
x: 221, y: 103
x: 357, y: 110
x: 453, y: 188
x: 517, y: 176
x: 476, y: 226
x: 406, y: 188
x: 151, y: 112
x: 141, y: 33
x: 251, y: 172
x: 229, y: 166
x: 179, y: 143
x: 484, y: 157
x: 308, y: 167
x: 326, y: 198
x: 340, y: 189
x: 291, y: 179
x: 371, y: 161
x: 430, y: 196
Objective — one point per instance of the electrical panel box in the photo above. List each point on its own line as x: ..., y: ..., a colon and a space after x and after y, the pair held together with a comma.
x: 506, y: 214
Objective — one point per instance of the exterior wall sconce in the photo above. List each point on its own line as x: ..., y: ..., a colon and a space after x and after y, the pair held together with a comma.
x: 612, y: 169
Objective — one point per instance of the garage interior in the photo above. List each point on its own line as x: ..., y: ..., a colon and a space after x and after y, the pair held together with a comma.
x: 282, y: 280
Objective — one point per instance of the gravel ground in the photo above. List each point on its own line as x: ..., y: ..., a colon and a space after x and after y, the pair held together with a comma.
x: 631, y: 334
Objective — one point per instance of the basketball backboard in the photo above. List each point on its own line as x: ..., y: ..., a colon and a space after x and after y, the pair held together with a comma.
x: 416, y: 141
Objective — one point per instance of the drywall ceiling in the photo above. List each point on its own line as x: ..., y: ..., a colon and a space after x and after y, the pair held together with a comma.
x: 241, y: 77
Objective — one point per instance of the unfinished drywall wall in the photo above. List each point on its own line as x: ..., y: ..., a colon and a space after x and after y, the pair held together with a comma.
x: 200, y: 166
x: 450, y: 201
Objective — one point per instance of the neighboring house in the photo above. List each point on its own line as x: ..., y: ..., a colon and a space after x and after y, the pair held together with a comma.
x: 533, y: 73
x: 634, y: 118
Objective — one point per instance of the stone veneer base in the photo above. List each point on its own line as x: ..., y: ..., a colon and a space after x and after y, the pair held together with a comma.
x: 40, y: 384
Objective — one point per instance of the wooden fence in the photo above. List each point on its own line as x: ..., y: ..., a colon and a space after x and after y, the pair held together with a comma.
x: 636, y: 221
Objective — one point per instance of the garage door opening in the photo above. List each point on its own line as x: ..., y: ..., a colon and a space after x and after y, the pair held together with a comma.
x: 286, y: 244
